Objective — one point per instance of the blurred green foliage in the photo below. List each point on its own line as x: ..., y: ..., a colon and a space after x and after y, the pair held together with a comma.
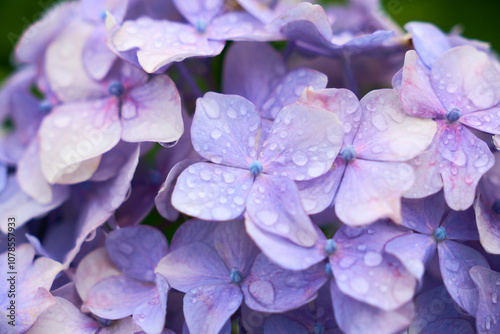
x: 477, y: 18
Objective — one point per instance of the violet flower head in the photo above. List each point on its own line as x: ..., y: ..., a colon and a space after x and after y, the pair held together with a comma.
x: 444, y: 233
x: 457, y: 97
x: 369, y: 176
x: 246, y: 173
x: 138, y: 290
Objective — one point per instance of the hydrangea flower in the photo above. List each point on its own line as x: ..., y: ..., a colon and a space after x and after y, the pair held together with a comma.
x: 32, y: 285
x: 246, y: 173
x: 138, y: 290
x: 437, y: 230
x: 204, y: 34
x: 128, y: 107
x: 369, y: 177
x: 457, y: 97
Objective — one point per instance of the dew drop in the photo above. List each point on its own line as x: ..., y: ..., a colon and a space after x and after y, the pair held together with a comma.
x: 372, y: 259
x: 299, y: 158
x: 267, y: 217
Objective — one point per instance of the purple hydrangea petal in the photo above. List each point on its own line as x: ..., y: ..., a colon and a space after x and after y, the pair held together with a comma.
x: 75, y: 133
x: 285, y: 252
x: 309, y: 140
x: 269, y: 288
x: 423, y: 215
x: 427, y: 173
x: 31, y: 179
x: 33, y: 282
x: 485, y: 120
x: 152, y: 112
x: 304, y: 22
x: 436, y: 312
x: 266, y: 11
x: 163, y: 198
x: 226, y: 130
x: 227, y: 189
x: 278, y: 323
x: 360, y: 252
x: 117, y: 297
x: 318, y: 194
x: 97, y: 57
x: 136, y: 250
x: 226, y: 329
x: 33, y: 43
x: 192, y: 231
x: 274, y: 206
x: 192, y: 266
x: 175, y: 42
x: 252, y: 70
x: 387, y: 133
x: 240, y: 26
x: 151, y: 314
x: 62, y: 317
x: 415, y: 251
x: 112, y: 161
x: 466, y: 158
x: 417, y: 96
x: 474, y: 83
x: 105, y: 198
x: 488, y: 311
x: 208, y: 307
x: 197, y: 11
x: 341, y: 102
x: 234, y: 246
x: 15, y: 202
x: 93, y: 268
x: 64, y: 65
x: 461, y: 225
x: 428, y: 40
x: 487, y: 225
x: 290, y: 88
x: 368, y: 318
x: 371, y: 190
x: 455, y: 260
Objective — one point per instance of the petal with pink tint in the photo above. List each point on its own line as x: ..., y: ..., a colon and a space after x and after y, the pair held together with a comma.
x: 152, y: 112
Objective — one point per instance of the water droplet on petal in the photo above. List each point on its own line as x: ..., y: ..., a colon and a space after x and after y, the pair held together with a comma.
x: 267, y: 217
x: 299, y: 158
x: 360, y: 285
x: 372, y: 259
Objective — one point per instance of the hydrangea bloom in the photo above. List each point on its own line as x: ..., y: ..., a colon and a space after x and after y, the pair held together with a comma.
x: 283, y: 196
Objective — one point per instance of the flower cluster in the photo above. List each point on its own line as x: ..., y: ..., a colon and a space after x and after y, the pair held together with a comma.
x: 300, y: 198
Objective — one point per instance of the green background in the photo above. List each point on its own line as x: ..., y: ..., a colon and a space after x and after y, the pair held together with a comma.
x: 480, y: 19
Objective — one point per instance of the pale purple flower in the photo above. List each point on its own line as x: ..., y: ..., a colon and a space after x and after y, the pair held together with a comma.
x: 461, y: 90
x: 138, y: 290
x: 369, y: 177
x: 441, y: 232
x: 247, y: 173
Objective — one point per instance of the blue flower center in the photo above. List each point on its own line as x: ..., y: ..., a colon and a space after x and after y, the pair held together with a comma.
x: 235, y: 276
x: 439, y: 234
x: 256, y: 168
x: 201, y: 26
x: 348, y: 153
x: 319, y: 328
x: 453, y: 114
x: 105, y: 322
x: 330, y: 246
x: 496, y: 206
x: 116, y: 89
x: 44, y: 107
x: 328, y: 270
